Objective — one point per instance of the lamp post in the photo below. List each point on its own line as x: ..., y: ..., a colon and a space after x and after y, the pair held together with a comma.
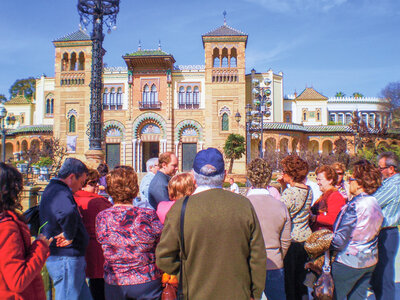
x: 97, y: 12
x: 261, y: 104
x: 10, y: 120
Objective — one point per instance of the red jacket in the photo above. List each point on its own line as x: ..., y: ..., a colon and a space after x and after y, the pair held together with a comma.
x: 90, y: 205
x: 20, y: 260
x: 326, y: 209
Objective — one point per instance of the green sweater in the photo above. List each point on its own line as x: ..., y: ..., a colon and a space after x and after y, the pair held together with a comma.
x: 225, y: 250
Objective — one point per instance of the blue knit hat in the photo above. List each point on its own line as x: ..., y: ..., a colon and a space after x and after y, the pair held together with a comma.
x: 212, y: 157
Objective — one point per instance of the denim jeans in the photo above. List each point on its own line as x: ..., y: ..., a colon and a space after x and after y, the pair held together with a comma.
x: 275, y: 285
x: 351, y: 283
x: 145, y: 291
x: 68, y: 276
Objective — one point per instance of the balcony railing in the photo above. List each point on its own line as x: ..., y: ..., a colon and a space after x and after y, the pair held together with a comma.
x: 149, y: 105
x: 112, y: 107
x: 189, y: 106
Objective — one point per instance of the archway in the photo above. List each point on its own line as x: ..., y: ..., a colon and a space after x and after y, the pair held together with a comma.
x: 270, y: 145
x: 283, y: 146
x: 313, y: 147
x: 327, y: 147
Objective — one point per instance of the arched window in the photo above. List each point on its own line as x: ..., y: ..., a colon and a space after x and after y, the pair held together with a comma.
x: 146, y: 94
x: 153, y: 94
x: 73, y: 62
x: 225, y: 122
x: 196, y: 99
x: 233, y: 62
x: 81, y: 65
x: 105, y: 99
x: 216, y: 62
x: 181, y: 96
x: 119, y: 98
x: 189, y: 95
x: 47, y: 106
x: 64, y: 62
x: 304, y: 116
x: 112, y: 98
x: 72, y: 124
x: 224, y: 62
x: 52, y: 106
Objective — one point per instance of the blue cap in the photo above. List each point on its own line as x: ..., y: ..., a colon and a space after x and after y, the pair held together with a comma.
x: 212, y: 157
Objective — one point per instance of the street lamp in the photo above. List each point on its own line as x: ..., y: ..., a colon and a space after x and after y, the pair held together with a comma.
x: 97, y: 12
x: 261, y: 104
x: 10, y: 120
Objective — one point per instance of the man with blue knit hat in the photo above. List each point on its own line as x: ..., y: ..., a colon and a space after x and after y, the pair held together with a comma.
x: 224, y: 249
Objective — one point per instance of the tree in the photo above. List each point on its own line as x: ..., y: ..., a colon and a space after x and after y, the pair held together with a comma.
x: 234, y: 148
x: 391, y: 92
x: 26, y: 86
x: 3, y: 98
x: 340, y: 94
x: 358, y: 95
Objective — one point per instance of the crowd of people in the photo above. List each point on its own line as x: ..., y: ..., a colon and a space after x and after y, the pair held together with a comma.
x: 104, y: 236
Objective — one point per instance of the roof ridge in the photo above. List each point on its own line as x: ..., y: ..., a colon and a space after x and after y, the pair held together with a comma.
x: 73, y: 35
x: 239, y: 32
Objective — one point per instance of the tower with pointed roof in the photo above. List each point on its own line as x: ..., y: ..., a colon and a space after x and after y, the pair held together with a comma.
x: 225, y: 82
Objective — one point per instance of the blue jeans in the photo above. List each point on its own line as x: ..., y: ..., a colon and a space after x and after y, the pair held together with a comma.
x: 351, y: 283
x: 384, y: 275
x: 68, y: 276
x: 145, y: 291
x: 275, y: 285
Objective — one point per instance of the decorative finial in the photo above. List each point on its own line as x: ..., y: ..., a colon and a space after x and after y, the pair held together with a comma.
x: 159, y: 45
x: 224, y: 13
x: 139, y: 46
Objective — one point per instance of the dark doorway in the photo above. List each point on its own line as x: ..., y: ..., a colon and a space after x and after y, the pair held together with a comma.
x: 189, y: 151
x: 149, y: 150
x: 113, y: 155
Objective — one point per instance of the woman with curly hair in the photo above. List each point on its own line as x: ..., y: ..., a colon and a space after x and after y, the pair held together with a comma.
x: 128, y: 236
x: 275, y: 226
x: 341, y: 185
x: 325, y: 210
x: 297, y: 198
x: 20, y: 260
x: 356, y: 232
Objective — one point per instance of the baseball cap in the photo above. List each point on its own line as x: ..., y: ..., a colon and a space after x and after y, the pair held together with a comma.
x: 209, y: 156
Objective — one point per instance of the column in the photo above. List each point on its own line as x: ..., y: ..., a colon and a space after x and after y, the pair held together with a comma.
x: 123, y: 144
x: 200, y: 146
x: 176, y: 148
x: 138, y: 155
x: 134, y: 154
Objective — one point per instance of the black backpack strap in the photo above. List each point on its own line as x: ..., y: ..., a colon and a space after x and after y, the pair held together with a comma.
x: 182, y: 224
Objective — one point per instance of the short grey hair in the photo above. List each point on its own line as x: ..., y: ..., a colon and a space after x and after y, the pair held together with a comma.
x: 391, y: 159
x: 215, y: 181
x: 72, y: 166
x: 150, y: 163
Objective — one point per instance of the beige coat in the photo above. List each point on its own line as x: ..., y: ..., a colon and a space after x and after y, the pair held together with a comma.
x: 275, y: 226
x: 224, y: 247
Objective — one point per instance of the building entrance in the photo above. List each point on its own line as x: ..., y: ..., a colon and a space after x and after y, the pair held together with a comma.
x: 113, y: 155
x: 149, y: 150
x: 189, y: 151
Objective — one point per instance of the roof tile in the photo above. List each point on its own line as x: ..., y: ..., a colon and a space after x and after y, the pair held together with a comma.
x: 311, y: 94
x: 79, y: 35
x: 224, y: 30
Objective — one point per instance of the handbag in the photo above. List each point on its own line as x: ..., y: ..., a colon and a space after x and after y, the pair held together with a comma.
x: 323, y: 288
x: 169, y: 292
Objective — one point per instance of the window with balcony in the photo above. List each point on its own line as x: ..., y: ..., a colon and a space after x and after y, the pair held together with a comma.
x: 189, y: 97
x: 112, y: 100
x: 150, y: 98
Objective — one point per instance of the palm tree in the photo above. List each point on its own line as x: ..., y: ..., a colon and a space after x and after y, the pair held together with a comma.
x: 358, y: 95
x: 234, y: 148
x: 340, y: 94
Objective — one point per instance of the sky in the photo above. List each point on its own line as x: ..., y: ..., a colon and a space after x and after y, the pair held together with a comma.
x: 330, y: 45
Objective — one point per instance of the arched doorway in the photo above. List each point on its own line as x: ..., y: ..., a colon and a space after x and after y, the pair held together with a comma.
x: 189, y: 134
x: 114, y: 143
x: 327, y: 147
x: 283, y: 146
x: 313, y: 147
x: 150, y: 142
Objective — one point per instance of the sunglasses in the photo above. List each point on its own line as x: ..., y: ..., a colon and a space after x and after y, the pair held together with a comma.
x: 352, y: 179
x: 383, y: 168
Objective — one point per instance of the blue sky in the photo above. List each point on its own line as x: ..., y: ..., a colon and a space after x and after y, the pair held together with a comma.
x: 331, y: 45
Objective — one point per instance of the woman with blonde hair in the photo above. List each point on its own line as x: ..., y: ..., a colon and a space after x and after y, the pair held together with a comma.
x: 341, y: 185
x: 179, y: 186
x: 129, y: 236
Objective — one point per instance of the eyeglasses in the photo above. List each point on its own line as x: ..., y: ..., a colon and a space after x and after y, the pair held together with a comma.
x: 383, y: 168
x: 340, y: 173
x: 352, y: 179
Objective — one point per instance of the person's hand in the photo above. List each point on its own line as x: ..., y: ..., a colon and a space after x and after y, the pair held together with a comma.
x: 44, y: 239
x: 61, y: 241
x: 313, y: 217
